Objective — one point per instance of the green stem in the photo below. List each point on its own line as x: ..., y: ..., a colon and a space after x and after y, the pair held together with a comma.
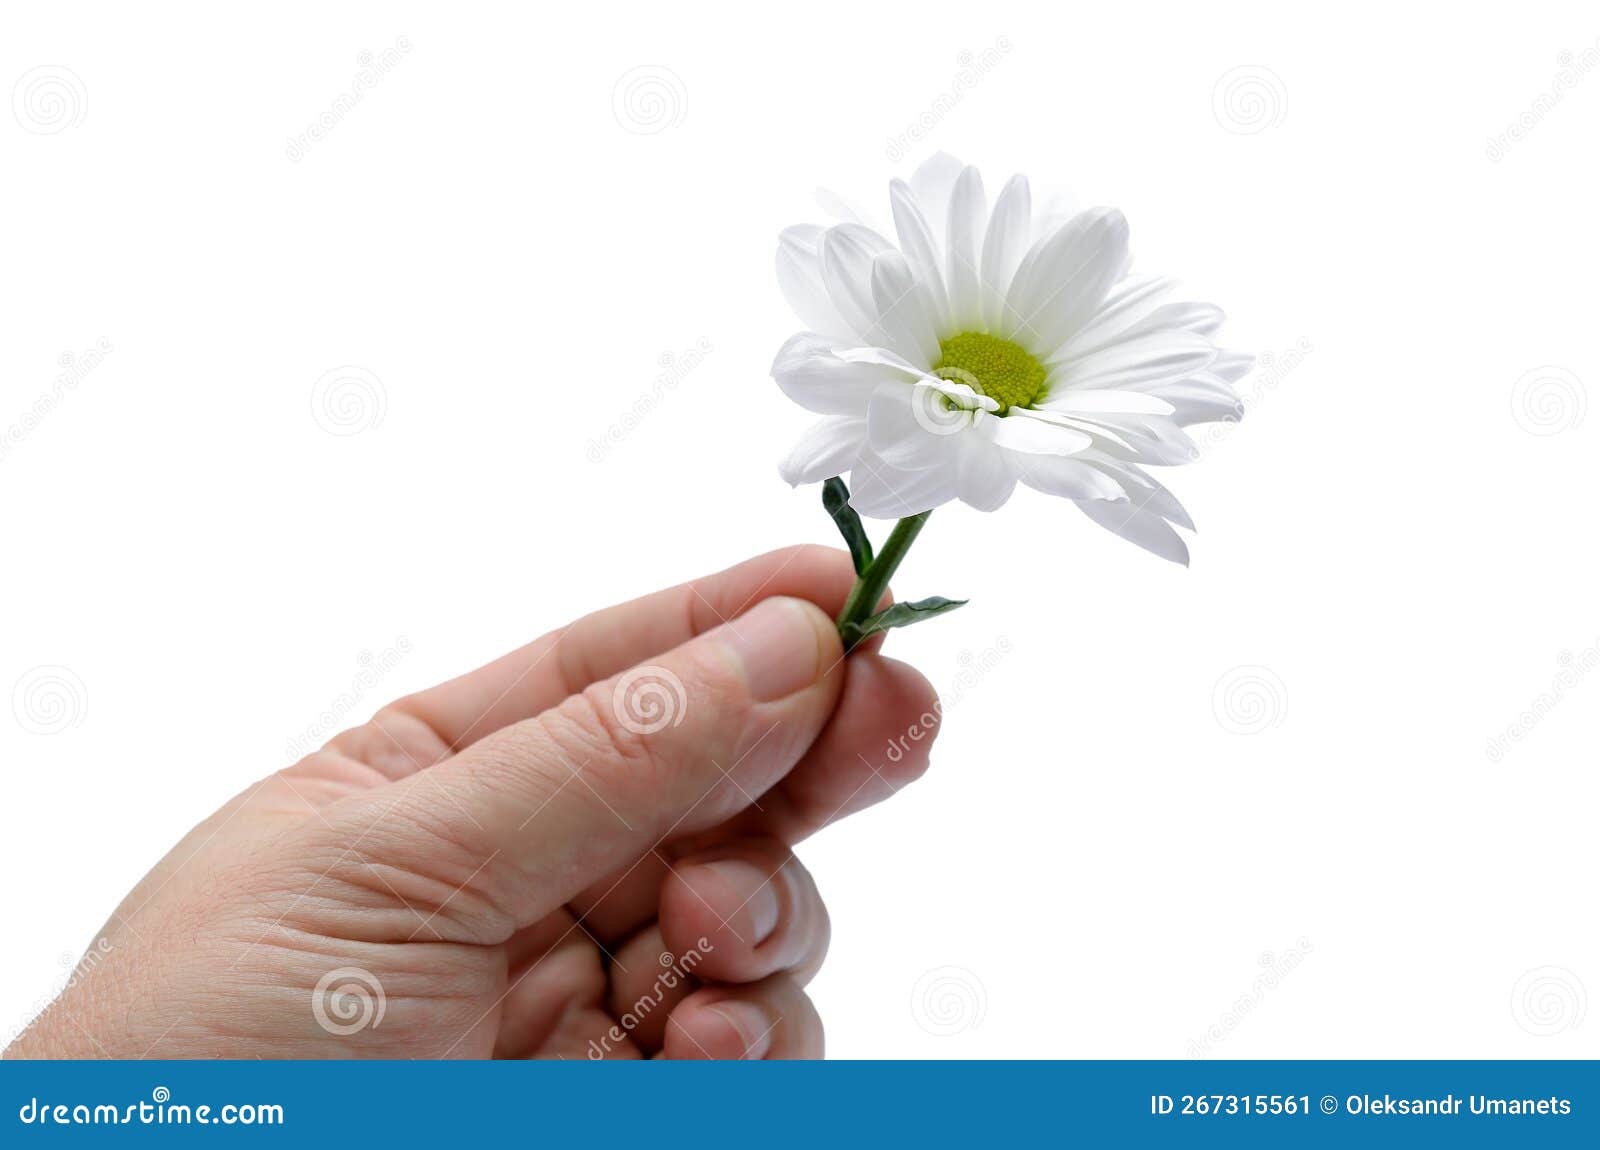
x: 871, y: 583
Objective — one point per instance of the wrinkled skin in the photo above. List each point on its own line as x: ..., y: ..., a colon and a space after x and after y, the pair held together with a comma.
x: 530, y: 861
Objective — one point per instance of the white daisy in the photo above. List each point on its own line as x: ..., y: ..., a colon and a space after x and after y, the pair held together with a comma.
x: 989, y: 347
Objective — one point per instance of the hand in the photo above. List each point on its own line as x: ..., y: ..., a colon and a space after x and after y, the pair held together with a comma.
x: 579, y: 850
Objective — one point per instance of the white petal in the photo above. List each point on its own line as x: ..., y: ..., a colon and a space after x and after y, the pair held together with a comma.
x: 1087, y: 401
x: 904, y: 316
x: 1069, y: 477
x: 1063, y: 280
x: 912, y: 428
x: 828, y: 448
x: 1140, y: 438
x: 1139, y: 526
x: 1201, y: 399
x: 847, y: 254
x: 1017, y: 432
x: 921, y: 248
x: 964, y: 248
x: 883, y: 357
x: 1232, y: 366
x: 1185, y: 316
x: 985, y: 473
x: 933, y: 183
x: 1125, y: 305
x: 813, y: 374
x: 799, y: 263
x: 1143, y: 490
x: 884, y: 492
x: 1137, y: 363
x: 1004, y: 245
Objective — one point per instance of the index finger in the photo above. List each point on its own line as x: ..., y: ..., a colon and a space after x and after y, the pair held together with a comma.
x: 536, y: 677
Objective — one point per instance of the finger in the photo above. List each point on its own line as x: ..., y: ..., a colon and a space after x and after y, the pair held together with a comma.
x: 647, y: 982
x: 547, y: 976
x: 540, y: 675
x: 748, y: 909
x: 531, y: 815
x: 878, y: 741
x: 771, y: 1019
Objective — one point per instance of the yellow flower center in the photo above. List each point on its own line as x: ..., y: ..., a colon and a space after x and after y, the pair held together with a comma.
x: 996, y: 367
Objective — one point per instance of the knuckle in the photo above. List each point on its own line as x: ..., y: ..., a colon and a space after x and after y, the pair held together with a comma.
x: 589, y: 728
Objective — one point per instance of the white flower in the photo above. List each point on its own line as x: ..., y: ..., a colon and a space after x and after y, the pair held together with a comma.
x: 992, y: 346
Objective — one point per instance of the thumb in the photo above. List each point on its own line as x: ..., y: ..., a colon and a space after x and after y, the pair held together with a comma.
x: 524, y: 819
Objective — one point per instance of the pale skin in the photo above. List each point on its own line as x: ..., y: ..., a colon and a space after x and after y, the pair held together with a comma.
x: 520, y: 870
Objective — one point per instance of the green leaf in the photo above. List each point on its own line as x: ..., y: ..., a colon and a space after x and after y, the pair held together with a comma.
x: 899, y: 615
x: 836, y: 498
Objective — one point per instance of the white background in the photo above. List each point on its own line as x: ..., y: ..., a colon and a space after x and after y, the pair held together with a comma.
x: 1125, y: 840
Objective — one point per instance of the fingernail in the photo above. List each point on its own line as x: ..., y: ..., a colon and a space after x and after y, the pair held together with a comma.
x: 750, y: 1023
x: 756, y: 891
x: 777, y: 645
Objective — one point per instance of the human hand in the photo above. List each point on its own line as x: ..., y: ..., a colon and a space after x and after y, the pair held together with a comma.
x: 516, y: 862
